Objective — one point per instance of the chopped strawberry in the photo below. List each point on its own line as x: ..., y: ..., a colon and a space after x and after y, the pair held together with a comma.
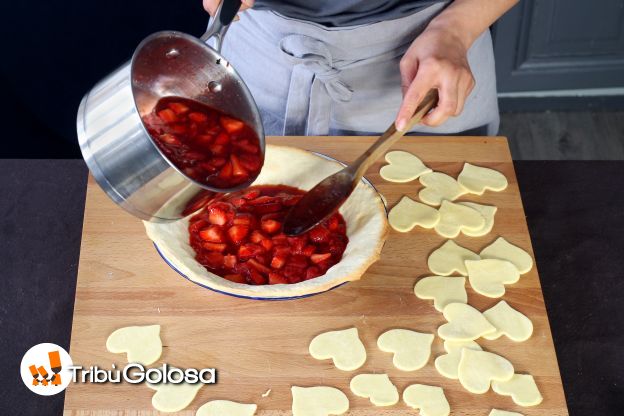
x: 297, y: 243
x: 312, y: 272
x: 276, y: 278
x: 280, y: 239
x: 231, y: 125
x: 222, y: 139
x: 258, y: 266
x: 236, y: 278
x: 291, y: 200
x: 230, y: 261
x: 266, y: 244
x: 194, y: 156
x: 179, y: 129
x: 278, y: 261
x: 256, y: 237
x: 178, y: 107
x: 214, y: 234
x: 197, y: 202
x: 212, y: 259
x: 308, y: 250
x: 220, y: 213
x: 251, y: 162
x: 271, y: 226
x: 219, y: 247
x: 247, y: 251
x: 294, y: 274
x: 256, y: 277
x: 237, y: 169
x: 245, y: 146
x: 167, y: 115
x: 238, y: 233
x: 170, y: 139
x: 226, y: 171
x: 238, y: 202
x: 243, y: 219
x: 319, y: 234
x: 333, y: 223
x: 217, y: 149
x: 204, y: 139
x: 253, y: 194
x: 317, y: 258
x: 195, y: 226
x: 198, y: 117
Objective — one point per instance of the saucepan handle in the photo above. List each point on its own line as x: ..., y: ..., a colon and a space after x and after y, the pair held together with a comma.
x: 218, y: 25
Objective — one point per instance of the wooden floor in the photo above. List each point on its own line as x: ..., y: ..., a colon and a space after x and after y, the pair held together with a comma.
x: 579, y: 135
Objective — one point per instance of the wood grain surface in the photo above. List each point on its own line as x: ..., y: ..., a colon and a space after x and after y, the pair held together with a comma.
x: 261, y: 345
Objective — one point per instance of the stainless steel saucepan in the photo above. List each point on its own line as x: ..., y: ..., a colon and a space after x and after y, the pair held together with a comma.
x: 113, y: 139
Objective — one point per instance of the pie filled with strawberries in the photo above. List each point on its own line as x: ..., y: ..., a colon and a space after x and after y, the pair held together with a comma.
x: 234, y: 243
x: 239, y: 237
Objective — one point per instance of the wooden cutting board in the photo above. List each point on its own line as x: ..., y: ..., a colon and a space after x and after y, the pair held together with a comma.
x: 261, y: 345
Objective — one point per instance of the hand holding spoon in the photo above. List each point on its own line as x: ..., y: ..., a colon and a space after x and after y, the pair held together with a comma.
x: 329, y: 194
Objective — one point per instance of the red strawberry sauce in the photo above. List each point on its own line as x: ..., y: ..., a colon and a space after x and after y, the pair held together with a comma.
x: 208, y: 146
x: 238, y: 236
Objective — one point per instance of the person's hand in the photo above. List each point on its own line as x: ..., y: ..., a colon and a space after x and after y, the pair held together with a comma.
x: 211, y: 5
x: 436, y: 59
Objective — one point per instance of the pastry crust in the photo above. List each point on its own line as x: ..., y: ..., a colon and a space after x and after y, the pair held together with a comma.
x: 364, y: 213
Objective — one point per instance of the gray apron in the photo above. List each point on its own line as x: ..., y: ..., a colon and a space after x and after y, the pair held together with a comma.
x: 308, y: 79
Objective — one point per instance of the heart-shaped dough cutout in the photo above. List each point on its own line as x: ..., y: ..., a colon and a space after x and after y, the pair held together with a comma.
x: 447, y: 364
x: 408, y: 213
x: 141, y: 344
x: 456, y: 218
x: 465, y: 323
x: 376, y: 387
x: 488, y: 277
x: 488, y: 212
x: 402, y: 167
x: 172, y: 397
x: 503, y: 250
x: 318, y: 401
x: 429, y: 399
x: 497, y: 412
x: 508, y: 321
x: 521, y: 388
x: 477, y: 369
x: 411, y: 349
x: 476, y: 179
x: 449, y: 258
x: 438, y: 187
x: 226, y: 408
x: 343, y: 347
x: 442, y: 289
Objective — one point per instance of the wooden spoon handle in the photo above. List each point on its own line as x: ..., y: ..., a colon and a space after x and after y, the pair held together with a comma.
x: 392, y: 135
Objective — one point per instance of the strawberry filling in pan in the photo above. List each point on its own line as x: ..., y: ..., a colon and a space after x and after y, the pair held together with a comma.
x: 238, y: 236
x: 208, y: 146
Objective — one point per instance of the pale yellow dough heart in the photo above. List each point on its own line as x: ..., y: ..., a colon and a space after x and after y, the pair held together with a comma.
x: 447, y: 364
x: 456, y: 218
x: 411, y: 349
x: 477, y: 369
x: 226, y: 408
x: 172, y: 397
x: 465, y: 323
x: 438, y: 187
x: 376, y: 387
x: 343, y: 347
x: 408, y: 213
x: 488, y: 277
x: 429, y: 399
x: 521, y: 388
x: 477, y: 179
x: 508, y: 321
x: 497, y: 412
x: 449, y: 258
x: 402, y: 167
x: 503, y: 250
x: 318, y: 401
x: 488, y: 212
x: 141, y: 344
x: 442, y: 289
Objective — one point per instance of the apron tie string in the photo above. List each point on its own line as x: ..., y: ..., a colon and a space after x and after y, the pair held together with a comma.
x: 314, y: 71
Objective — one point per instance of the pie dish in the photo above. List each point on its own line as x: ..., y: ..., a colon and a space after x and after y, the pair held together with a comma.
x: 364, y: 213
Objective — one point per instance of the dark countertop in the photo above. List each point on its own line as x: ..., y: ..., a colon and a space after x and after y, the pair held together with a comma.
x: 575, y: 212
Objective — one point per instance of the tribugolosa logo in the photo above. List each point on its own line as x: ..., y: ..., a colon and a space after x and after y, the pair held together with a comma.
x: 45, y: 369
